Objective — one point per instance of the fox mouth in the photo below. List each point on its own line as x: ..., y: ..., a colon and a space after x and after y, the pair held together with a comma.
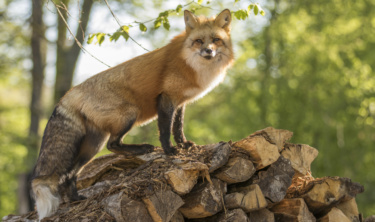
x: 208, y: 57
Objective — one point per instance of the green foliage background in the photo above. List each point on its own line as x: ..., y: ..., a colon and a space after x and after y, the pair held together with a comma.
x: 310, y: 70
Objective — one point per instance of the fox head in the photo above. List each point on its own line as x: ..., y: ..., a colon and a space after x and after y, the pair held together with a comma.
x: 208, y: 40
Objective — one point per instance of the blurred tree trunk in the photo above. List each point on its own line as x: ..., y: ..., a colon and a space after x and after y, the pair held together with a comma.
x: 67, y: 53
x: 267, y: 69
x: 38, y: 52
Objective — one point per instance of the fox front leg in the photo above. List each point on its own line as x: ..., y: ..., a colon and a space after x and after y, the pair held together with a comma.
x: 166, y: 111
x: 178, y: 128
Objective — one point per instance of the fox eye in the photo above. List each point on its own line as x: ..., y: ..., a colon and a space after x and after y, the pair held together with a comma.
x: 216, y: 39
x: 199, y: 41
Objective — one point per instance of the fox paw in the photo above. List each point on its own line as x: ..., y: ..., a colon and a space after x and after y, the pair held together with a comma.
x: 170, y: 151
x: 186, y: 144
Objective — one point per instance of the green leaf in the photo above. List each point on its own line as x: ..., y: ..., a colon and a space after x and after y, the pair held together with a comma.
x: 115, y: 36
x: 179, y: 8
x: 237, y: 14
x: 142, y: 27
x: 256, y: 9
x: 200, y: 2
x: 125, y: 28
x: 235, y: 1
x: 166, y: 25
x: 157, y: 23
x: 263, y: 13
x: 125, y: 35
x: 241, y: 14
x: 91, y: 38
x: 100, y: 37
x: 163, y: 14
x: 250, y: 7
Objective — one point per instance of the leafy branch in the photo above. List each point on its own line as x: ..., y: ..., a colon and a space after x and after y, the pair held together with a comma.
x: 162, y: 20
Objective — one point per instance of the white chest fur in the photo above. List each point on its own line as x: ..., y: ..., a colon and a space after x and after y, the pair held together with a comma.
x: 208, y: 77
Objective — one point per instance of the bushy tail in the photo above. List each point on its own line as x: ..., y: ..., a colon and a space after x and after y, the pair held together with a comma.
x: 47, y: 199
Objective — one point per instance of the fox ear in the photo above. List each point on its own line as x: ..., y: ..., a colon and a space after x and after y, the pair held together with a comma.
x: 224, y: 19
x: 190, y: 20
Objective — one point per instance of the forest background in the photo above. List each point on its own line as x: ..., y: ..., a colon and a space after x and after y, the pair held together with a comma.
x: 305, y: 66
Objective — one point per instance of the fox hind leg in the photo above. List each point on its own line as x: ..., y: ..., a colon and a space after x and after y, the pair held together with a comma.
x: 118, y: 133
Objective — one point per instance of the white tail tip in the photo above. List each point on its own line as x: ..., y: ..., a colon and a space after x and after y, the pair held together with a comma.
x: 46, y: 203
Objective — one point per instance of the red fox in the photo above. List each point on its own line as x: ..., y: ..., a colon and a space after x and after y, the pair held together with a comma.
x: 106, y: 106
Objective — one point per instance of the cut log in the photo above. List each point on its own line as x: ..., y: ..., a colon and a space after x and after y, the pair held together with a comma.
x: 236, y: 170
x: 274, y: 182
x: 335, y: 215
x: 370, y: 219
x: 300, y: 156
x: 163, y: 205
x: 292, y: 210
x: 177, y: 217
x: 219, y: 155
x: 125, y: 209
x: 249, y: 199
x: 206, y: 199
x: 261, y: 152
x: 236, y: 215
x: 275, y: 136
x: 99, y: 166
x: 97, y: 188
x: 262, y: 215
x: 183, y: 177
x: 350, y: 209
x: 322, y: 194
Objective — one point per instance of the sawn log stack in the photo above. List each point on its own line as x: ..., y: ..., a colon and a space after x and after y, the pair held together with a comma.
x: 260, y: 178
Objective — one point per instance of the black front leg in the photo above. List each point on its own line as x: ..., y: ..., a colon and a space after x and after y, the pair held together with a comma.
x: 166, y: 111
x: 178, y: 128
x: 178, y: 125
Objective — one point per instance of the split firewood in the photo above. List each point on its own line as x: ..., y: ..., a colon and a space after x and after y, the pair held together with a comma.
x: 183, y: 177
x: 275, y: 136
x: 250, y: 198
x: 292, y: 210
x: 206, y: 199
x: 237, y: 170
x: 350, y: 209
x: 300, y: 156
x: 274, y: 182
x: 177, y: 217
x: 97, y: 188
x: 261, y: 152
x: 262, y: 215
x: 322, y: 194
x: 163, y: 205
x: 125, y: 209
x: 334, y: 215
x: 99, y: 166
x: 219, y: 155
x: 235, y: 215
x: 370, y: 219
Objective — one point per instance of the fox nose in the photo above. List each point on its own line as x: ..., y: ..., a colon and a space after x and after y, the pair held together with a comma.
x: 208, y: 51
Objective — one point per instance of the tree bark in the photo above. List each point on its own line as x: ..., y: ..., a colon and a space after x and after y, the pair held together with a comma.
x: 38, y: 52
x: 67, y: 55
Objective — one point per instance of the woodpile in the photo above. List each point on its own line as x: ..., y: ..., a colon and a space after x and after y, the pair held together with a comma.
x: 260, y: 178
